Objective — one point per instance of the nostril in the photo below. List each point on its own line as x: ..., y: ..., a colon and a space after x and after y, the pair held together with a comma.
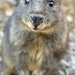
x: 40, y: 20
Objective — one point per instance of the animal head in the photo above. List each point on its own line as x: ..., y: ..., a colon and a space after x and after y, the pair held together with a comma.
x: 39, y: 15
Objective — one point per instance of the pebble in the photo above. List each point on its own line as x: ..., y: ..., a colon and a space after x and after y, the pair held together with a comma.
x: 69, y: 18
x: 72, y: 45
x: 0, y: 59
x: 9, y: 13
x: 1, y: 34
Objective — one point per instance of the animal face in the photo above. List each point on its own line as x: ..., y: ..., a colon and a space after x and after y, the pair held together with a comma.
x: 40, y: 15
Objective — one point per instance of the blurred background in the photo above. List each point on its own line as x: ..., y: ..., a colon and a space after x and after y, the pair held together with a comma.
x: 67, y: 66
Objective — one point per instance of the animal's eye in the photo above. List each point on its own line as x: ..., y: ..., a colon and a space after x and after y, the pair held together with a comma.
x: 51, y: 3
x: 27, y: 1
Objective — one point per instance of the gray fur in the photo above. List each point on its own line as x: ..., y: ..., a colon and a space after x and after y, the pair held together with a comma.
x: 48, y: 45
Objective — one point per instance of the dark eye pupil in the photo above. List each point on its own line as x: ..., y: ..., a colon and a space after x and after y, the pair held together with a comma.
x: 27, y: 1
x: 50, y: 3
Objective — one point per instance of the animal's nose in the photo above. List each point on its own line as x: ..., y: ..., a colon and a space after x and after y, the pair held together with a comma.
x: 36, y: 19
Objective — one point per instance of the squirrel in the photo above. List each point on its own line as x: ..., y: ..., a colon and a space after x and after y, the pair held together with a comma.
x: 35, y: 38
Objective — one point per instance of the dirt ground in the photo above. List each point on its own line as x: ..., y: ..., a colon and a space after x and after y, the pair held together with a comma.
x: 68, y: 7
x: 67, y: 66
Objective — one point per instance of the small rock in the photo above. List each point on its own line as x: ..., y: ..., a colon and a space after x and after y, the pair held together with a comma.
x: 1, y: 34
x: 0, y: 59
x: 69, y: 18
x: 9, y: 12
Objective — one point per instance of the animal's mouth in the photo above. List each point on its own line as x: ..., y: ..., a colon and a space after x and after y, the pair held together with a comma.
x: 35, y: 28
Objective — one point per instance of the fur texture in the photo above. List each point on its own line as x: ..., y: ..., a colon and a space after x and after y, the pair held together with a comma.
x: 35, y: 52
